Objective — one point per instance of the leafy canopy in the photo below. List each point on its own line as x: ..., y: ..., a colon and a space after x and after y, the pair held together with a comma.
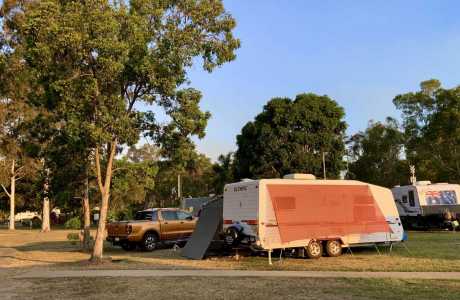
x: 376, y: 154
x: 432, y: 130
x: 290, y: 136
x: 93, y: 60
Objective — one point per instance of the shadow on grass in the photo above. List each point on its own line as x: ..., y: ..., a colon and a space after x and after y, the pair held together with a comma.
x: 58, y: 246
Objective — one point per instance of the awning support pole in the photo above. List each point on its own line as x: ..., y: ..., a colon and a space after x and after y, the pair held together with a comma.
x: 270, y: 257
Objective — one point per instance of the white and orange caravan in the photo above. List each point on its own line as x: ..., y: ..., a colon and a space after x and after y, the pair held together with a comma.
x: 308, y: 216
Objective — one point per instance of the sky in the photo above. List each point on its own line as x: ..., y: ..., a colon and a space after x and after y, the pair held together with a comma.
x: 360, y: 53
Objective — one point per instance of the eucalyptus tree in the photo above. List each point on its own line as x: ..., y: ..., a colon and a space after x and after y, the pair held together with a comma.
x: 377, y: 154
x: 431, y: 122
x: 14, y: 114
x: 94, y: 61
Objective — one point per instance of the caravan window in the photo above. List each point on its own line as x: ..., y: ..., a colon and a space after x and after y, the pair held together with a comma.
x: 411, y: 198
x: 404, y: 199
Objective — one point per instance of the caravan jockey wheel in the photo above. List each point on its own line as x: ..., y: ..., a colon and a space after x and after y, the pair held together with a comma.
x: 232, y: 236
x: 314, y: 249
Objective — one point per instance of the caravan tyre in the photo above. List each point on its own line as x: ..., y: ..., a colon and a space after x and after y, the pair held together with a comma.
x: 333, y: 248
x: 314, y: 249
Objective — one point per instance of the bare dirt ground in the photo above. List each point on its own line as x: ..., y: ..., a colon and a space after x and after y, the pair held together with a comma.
x: 235, y: 273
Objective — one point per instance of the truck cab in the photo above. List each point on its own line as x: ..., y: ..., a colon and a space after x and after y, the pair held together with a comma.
x: 151, y: 227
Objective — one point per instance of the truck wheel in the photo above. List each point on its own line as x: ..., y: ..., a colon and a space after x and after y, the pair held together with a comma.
x: 150, y: 241
x: 333, y: 248
x: 314, y: 249
x: 127, y: 246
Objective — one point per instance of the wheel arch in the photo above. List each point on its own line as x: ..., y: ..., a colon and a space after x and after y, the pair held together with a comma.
x: 155, y: 232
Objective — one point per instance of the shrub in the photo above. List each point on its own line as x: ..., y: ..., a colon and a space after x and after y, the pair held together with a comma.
x: 73, y: 223
x: 73, y: 236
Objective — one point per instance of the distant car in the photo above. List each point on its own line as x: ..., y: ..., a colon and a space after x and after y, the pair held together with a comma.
x: 151, y: 227
x: 26, y: 216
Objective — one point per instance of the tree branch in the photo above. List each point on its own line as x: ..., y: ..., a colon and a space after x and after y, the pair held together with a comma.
x: 98, y: 170
x: 118, y: 169
x: 108, y: 174
x: 4, y: 188
x: 18, y: 169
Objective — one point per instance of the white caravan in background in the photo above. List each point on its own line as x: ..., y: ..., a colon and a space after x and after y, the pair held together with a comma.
x: 425, y: 204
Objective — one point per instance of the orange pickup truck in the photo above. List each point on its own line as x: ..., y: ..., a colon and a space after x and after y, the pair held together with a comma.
x: 152, y: 227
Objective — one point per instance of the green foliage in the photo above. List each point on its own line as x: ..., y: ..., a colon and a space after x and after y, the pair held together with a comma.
x: 223, y: 172
x: 73, y: 223
x: 432, y: 130
x: 109, y: 55
x: 197, y: 177
x: 89, y: 64
x: 73, y: 236
x: 376, y: 155
x: 289, y: 136
x: 134, y: 177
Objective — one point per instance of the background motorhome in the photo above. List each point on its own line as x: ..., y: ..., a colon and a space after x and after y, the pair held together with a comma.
x: 425, y: 204
x: 300, y: 212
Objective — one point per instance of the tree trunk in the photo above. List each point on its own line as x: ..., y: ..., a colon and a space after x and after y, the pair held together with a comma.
x: 98, y: 248
x: 100, y: 234
x: 46, y: 215
x: 86, y: 219
x: 46, y: 205
x: 12, y: 195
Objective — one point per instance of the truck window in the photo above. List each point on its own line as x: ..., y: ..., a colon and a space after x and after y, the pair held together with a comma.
x: 182, y: 215
x: 146, y: 215
x: 411, y: 198
x: 169, y: 215
x: 404, y: 199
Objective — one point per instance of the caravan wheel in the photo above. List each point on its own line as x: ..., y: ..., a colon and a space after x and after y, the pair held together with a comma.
x: 333, y: 248
x: 314, y: 249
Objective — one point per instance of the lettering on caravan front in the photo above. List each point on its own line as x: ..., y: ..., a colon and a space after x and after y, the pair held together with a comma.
x: 240, y: 188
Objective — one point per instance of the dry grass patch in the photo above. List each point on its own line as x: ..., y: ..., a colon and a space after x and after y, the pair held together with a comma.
x: 434, y: 251
x: 234, y: 288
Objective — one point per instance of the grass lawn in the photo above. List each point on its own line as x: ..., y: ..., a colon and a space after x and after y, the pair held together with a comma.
x: 230, y: 288
x: 428, y: 251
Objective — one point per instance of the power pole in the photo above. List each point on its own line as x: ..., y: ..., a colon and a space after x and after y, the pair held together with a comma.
x: 324, y: 165
x: 179, y: 187
x: 413, y: 179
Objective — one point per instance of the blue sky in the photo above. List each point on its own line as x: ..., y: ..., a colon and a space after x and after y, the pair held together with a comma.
x: 360, y: 53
